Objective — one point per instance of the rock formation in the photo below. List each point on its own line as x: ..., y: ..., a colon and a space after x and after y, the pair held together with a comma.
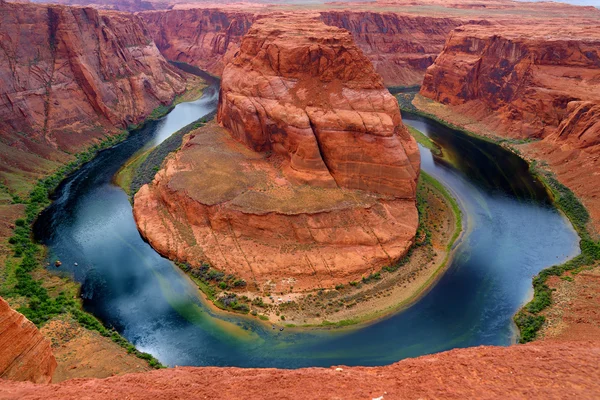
x: 544, y: 370
x: 25, y: 355
x: 541, y: 83
x: 69, y: 76
x: 401, y: 47
x: 315, y: 181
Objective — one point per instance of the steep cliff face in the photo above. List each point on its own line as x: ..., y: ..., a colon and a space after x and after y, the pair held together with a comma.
x: 544, y: 370
x: 526, y: 80
x: 314, y: 183
x: 401, y: 47
x: 312, y: 97
x: 25, y: 354
x: 69, y: 76
x: 206, y: 38
x: 541, y: 83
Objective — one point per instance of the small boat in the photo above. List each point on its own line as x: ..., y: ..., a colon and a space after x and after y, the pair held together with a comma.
x: 57, y: 263
x: 75, y: 264
x: 280, y: 329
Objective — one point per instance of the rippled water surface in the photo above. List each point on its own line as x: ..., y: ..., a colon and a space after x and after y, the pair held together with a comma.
x: 512, y: 233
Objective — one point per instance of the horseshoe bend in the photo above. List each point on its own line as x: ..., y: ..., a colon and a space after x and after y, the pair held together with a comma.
x: 302, y: 200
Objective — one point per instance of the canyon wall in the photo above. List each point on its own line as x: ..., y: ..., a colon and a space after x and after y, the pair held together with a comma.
x: 206, y: 38
x: 70, y: 76
x: 314, y: 182
x: 25, y: 355
x: 524, y: 83
x: 401, y: 47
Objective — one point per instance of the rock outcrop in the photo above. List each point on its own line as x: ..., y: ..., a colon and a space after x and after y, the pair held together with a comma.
x: 544, y: 370
x: 69, y: 76
x: 25, y: 355
x: 541, y: 83
x: 314, y: 183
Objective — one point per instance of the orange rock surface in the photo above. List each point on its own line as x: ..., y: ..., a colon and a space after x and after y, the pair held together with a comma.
x: 305, y: 91
x: 523, y: 82
x: 69, y: 76
x: 542, y: 371
x: 25, y: 355
x: 315, y: 182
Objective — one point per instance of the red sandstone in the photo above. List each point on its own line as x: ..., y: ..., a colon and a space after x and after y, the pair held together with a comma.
x: 24, y: 353
x: 69, y: 77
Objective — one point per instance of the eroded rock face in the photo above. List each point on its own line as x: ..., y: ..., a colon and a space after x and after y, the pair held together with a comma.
x: 25, y: 355
x: 314, y: 182
x: 541, y: 83
x: 524, y: 79
x: 206, y: 38
x: 305, y: 91
x: 69, y: 76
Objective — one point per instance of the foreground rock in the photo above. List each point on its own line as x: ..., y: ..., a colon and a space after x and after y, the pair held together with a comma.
x: 25, y: 355
x: 69, y: 77
x: 314, y: 185
x: 525, y: 83
x: 545, y: 370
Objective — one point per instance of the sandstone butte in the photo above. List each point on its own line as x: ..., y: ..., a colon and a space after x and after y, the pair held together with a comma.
x: 313, y: 181
x: 24, y: 352
x: 69, y: 77
x: 523, y: 82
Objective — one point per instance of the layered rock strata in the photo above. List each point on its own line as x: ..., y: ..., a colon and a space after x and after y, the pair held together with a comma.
x: 314, y: 181
x: 69, y: 76
x: 523, y: 83
x: 25, y: 355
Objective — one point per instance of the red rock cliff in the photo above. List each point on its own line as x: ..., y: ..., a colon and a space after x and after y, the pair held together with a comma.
x: 305, y: 91
x: 314, y: 183
x: 206, y: 38
x: 70, y: 75
x: 401, y: 47
x: 541, y: 83
x: 25, y: 355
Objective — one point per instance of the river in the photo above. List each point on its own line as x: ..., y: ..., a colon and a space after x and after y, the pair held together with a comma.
x: 512, y: 233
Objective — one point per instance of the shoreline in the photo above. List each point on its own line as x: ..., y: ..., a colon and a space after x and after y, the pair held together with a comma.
x: 25, y: 265
x: 397, y: 294
x: 530, y: 318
